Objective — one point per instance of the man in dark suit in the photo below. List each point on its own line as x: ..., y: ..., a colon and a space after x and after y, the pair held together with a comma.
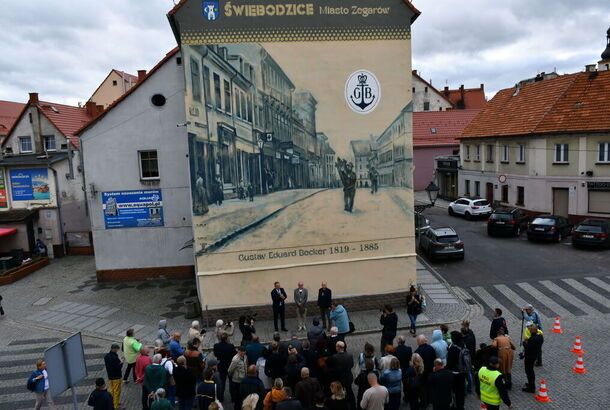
x: 278, y: 296
x: 224, y: 352
x: 325, y: 297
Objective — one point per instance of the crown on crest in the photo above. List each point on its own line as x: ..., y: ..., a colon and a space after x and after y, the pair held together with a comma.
x: 362, y: 78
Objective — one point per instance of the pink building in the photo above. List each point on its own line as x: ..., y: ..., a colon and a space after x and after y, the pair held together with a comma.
x: 435, y: 134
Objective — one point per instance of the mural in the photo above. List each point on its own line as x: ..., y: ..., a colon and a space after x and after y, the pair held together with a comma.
x: 300, y: 138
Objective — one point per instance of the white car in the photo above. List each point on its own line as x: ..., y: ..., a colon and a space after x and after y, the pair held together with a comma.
x: 470, y: 207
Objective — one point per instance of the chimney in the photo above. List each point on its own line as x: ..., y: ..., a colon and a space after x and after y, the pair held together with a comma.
x: 482, y: 87
x: 462, y: 92
x: 141, y: 75
x: 33, y: 98
x: 589, y: 68
x: 90, y: 109
x: 446, y: 91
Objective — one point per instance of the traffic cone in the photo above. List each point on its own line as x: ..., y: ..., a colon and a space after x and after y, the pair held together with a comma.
x: 557, y: 326
x: 542, y: 395
x: 579, y: 367
x: 577, y: 348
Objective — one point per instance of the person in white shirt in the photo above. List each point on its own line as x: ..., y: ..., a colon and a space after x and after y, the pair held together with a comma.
x: 375, y: 397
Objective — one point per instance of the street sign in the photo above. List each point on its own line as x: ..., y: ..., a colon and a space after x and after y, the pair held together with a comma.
x: 66, y: 365
x: 269, y: 136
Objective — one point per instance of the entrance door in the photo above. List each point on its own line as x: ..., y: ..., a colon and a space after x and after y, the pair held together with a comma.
x: 489, y: 192
x: 560, y: 201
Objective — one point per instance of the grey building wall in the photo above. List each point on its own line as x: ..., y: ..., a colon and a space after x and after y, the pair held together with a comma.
x: 110, y: 148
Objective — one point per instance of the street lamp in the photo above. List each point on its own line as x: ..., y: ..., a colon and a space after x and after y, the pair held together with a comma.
x: 261, y: 144
x: 432, y: 191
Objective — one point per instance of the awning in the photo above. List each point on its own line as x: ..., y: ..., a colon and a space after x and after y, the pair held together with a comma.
x: 7, y: 231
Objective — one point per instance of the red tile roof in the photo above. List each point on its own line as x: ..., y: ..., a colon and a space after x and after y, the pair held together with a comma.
x: 474, y: 98
x: 447, y: 124
x: 570, y: 103
x: 9, y: 112
x: 169, y: 55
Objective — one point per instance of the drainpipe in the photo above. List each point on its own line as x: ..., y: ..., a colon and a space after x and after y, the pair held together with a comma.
x: 61, y: 222
x: 84, y: 187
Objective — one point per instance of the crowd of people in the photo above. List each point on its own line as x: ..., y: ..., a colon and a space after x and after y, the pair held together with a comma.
x: 318, y: 371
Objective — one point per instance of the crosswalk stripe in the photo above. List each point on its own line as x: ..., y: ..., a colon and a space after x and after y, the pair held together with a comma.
x: 515, y: 298
x: 492, y: 302
x: 545, y: 300
x: 569, y: 297
x: 599, y: 283
x: 589, y: 292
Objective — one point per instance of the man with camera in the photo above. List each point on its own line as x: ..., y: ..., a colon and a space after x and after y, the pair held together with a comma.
x: 278, y: 297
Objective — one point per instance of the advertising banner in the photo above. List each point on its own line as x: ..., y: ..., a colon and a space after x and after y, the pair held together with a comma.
x: 300, y: 136
x: 30, y: 184
x: 132, y: 209
x: 3, y: 196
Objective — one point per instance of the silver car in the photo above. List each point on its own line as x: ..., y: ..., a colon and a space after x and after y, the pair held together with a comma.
x: 470, y: 208
x: 441, y: 242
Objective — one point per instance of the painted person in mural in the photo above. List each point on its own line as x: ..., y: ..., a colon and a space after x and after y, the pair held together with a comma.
x: 200, y: 207
x: 348, y: 178
x: 374, y: 177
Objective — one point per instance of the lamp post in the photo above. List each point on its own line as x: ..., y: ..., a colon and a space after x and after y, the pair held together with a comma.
x: 432, y: 191
x: 261, y: 144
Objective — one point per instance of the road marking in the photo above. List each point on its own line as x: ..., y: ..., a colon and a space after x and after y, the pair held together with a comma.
x: 599, y: 283
x: 568, y: 297
x: 545, y: 300
x: 514, y: 297
x: 592, y: 294
x: 491, y: 301
x: 41, y: 301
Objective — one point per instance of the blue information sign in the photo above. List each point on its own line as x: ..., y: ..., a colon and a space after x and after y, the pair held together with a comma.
x: 132, y: 209
x: 30, y: 184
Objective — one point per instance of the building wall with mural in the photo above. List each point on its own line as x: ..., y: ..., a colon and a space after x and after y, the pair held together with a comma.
x: 271, y: 97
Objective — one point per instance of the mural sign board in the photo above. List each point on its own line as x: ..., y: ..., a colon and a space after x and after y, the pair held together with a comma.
x: 301, y: 149
x: 30, y: 184
x: 132, y: 209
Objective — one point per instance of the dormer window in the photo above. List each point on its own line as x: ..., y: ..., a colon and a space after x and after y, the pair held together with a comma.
x: 25, y: 144
x: 49, y: 143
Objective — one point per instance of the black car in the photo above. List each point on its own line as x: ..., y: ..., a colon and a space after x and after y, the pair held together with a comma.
x: 507, y: 221
x: 592, y: 232
x: 441, y: 242
x: 549, y: 227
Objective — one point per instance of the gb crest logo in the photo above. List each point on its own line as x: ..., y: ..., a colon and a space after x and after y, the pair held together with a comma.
x: 210, y: 9
x: 362, y: 91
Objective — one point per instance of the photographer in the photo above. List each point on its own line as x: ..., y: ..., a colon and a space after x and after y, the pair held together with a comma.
x: 221, y: 328
x: 246, y: 327
x: 389, y: 321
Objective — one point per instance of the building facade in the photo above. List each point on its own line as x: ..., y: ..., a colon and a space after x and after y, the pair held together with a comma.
x: 113, y: 87
x: 543, y: 146
x: 394, y: 151
x: 361, y: 150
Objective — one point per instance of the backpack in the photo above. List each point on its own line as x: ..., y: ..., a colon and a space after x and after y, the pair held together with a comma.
x: 361, y: 362
x: 465, y: 361
x: 31, y: 383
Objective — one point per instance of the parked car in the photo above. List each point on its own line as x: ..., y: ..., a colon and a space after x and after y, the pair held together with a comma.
x: 421, y: 224
x: 549, y: 227
x: 510, y: 221
x: 592, y: 232
x: 441, y: 242
x: 470, y: 207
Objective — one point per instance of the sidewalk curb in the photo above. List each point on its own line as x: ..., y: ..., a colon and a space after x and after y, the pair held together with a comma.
x: 218, y: 243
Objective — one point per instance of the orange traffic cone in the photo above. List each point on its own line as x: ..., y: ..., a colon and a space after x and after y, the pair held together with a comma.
x: 577, y: 348
x: 557, y: 326
x: 579, y: 367
x: 542, y: 395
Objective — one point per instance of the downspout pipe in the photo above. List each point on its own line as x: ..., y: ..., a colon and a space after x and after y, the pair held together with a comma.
x: 61, y: 222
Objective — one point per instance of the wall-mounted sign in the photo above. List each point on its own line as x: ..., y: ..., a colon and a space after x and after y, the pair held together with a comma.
x: 30, y: 184
x: 598, y: 186
x: 132, y: 209
x: 3, y: 196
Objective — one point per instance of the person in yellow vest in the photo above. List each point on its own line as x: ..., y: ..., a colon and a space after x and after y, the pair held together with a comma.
x: 131, y: 349
x: 491, y: 385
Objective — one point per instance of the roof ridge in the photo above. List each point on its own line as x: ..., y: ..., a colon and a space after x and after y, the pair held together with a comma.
x: 551, y: 106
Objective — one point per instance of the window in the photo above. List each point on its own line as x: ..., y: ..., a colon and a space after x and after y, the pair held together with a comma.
x: 604, y: 152
x: 561, y: 153
x: 425, y: 89
x: 217, y: 92
x: 467, y: 153
x: 467, y: 187
x: 49, y: 143
x: 505, y: 193
x: 25, y: 144
x: 521, y: 154
x: 490, y: 153
x: 249, y: 107
x: 520, y: 195
x: 433, y: 130
x: 206, y: 85
x: 477, y: 188
x: 505, y: 153
x: 114, y: 82
x: 477, y: 154
x: 426, y: 106
x: 195, y: 81
x: 149, y: 164
x: 227, y: 96
x: 158, y: 100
